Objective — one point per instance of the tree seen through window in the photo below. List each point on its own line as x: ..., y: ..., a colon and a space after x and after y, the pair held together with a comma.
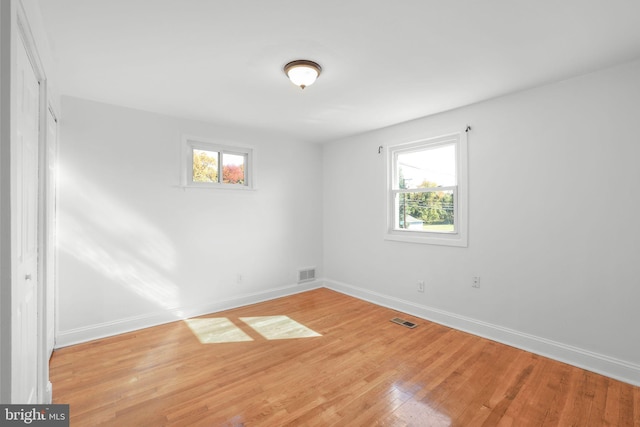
x: 206, y: 167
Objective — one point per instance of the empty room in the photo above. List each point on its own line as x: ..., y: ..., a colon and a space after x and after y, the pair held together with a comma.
x: 355, y: 213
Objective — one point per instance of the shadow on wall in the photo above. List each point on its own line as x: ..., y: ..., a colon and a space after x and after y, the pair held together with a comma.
x: 109, y: 237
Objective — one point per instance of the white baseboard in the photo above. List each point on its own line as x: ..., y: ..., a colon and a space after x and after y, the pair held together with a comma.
x: 120, y: 326
x: 585, y: 359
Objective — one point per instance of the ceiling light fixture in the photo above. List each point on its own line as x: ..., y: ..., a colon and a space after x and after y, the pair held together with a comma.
x: 302, y: 72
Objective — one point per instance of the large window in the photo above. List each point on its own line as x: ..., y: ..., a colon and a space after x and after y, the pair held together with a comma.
x: 427, y: 191
x: 209, y: 164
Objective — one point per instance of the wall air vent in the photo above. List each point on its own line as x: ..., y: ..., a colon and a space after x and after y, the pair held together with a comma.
x: 307, y: 275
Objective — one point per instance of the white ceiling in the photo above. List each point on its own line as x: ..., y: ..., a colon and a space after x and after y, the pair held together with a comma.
x: 384, y: 61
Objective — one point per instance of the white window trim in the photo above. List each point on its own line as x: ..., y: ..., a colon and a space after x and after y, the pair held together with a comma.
x: 460, y: 236
x: 189, y: 143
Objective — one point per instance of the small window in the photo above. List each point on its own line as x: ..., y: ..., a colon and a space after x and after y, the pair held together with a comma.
x: 427, y: 191
x: 208, y: 164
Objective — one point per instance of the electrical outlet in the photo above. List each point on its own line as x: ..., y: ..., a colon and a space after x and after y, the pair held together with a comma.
x: 476, y: 282
x: 420, y: 285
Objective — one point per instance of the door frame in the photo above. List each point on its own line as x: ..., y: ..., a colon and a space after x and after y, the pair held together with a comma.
x: 46, y: 246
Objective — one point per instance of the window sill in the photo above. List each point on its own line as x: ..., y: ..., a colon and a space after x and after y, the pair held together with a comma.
x: 217, y: 187
x: 440, y: 239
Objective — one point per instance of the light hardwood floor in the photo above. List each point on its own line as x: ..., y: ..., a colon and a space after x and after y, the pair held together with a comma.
x: 363, y: 371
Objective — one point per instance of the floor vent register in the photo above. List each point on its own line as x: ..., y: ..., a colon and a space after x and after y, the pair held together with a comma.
x: 403, y: 322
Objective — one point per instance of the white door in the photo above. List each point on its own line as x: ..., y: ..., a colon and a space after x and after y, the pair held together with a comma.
x: 24, y: 345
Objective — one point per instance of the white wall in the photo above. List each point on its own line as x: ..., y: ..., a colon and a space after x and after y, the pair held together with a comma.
x: 553, y: 231
x: 136, y: 249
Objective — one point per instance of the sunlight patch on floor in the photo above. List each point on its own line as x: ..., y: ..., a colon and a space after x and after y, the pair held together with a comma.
x: 217, y: 330
x: 279, y: 327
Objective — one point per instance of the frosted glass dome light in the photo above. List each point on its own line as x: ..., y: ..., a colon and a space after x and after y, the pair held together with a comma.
x: 302, y: 72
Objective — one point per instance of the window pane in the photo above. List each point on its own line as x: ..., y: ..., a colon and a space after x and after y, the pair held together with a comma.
x: 233, y: 168
x: 430, y: 211
x: 430, y: 167
x: 205, y: 166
